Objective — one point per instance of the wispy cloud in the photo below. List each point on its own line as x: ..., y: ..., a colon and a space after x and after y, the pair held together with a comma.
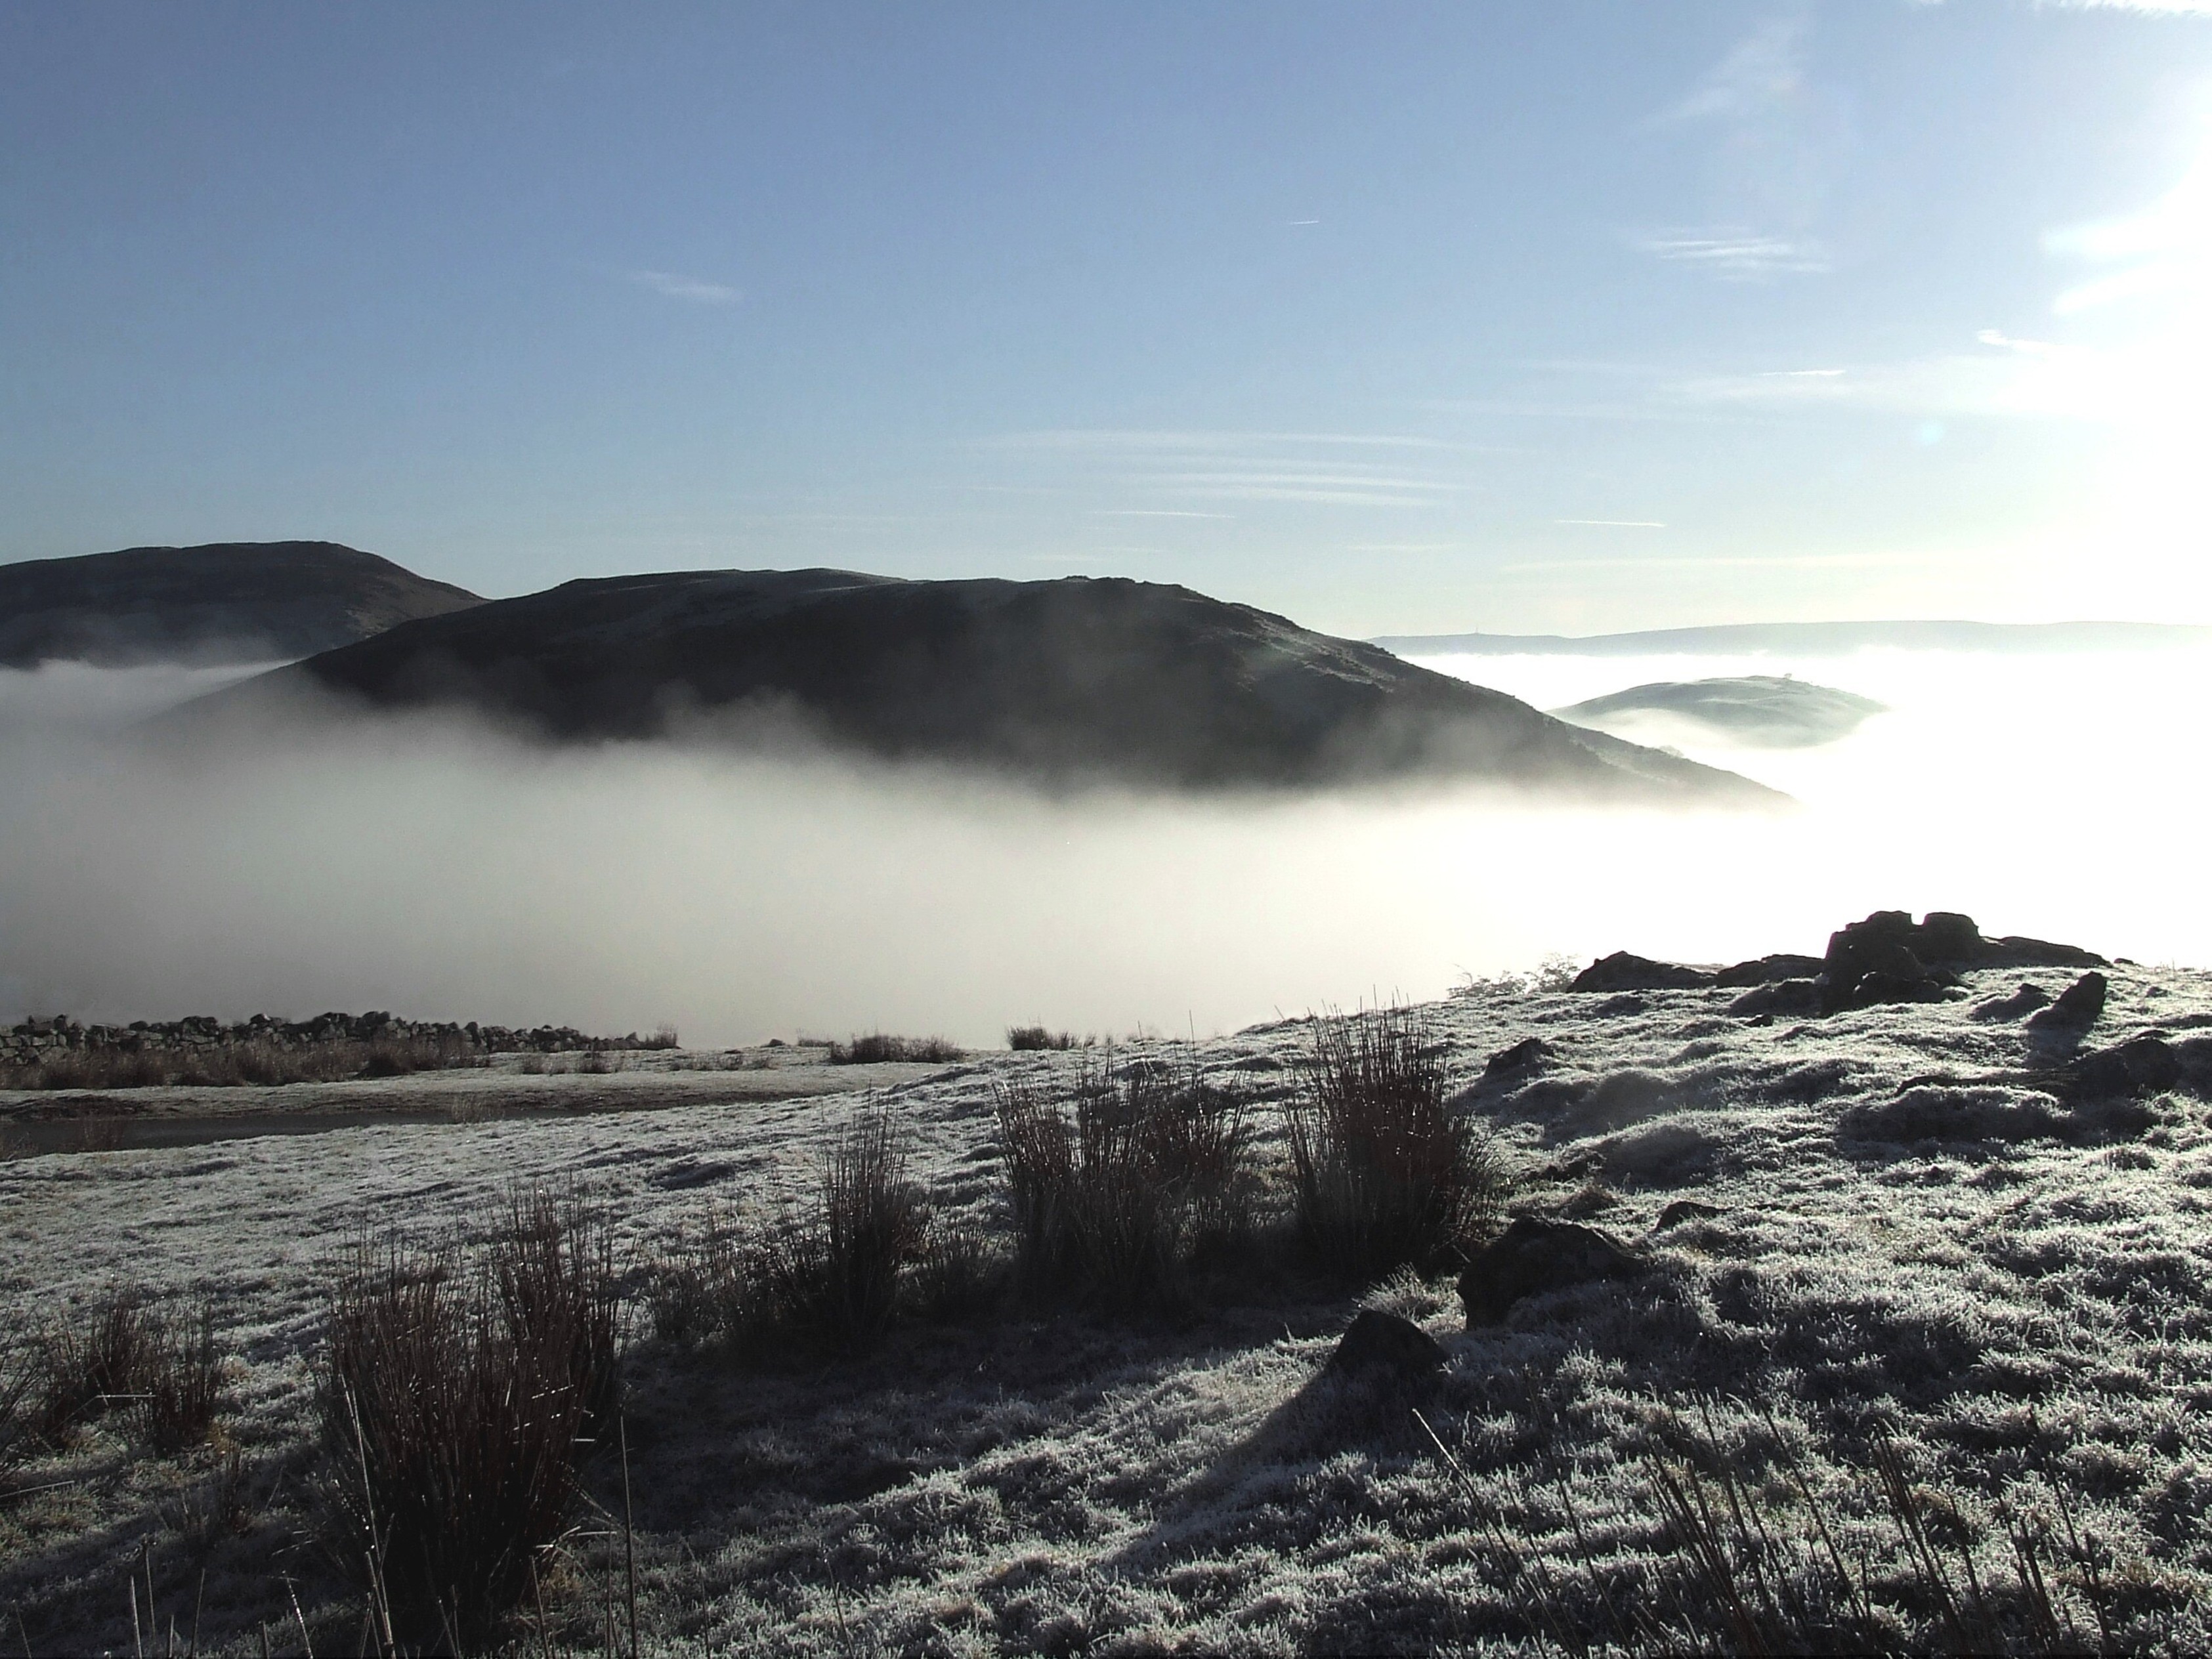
x: 1780, y: 143
x: 1172, y: 472
x: 1764, y: 68
x: 1734, y: 254
x: 1154, y: 513
x: 2170, y: 8
x: 1108, y: 438
x: 677, y: 286
x: 1616, y: 524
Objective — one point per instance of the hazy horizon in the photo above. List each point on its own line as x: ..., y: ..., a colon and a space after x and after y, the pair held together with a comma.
x: 431, y: 867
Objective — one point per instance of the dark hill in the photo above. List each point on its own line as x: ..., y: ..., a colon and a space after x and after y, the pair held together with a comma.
x: 1081, y: 677
x: 224, y: 602
x: 1774, y: 711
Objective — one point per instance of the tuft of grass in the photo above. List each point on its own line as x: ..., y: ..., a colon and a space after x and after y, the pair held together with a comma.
x: 876, y: 1047
x: 1036, y: 1039
x: 1385, y: 1174
x: 92, y: 1364
x: 835, y: 1274
x: 958, y: 1273
x: 182, y: 1382
x: 1114, y: 1201
x: 453, y: 1402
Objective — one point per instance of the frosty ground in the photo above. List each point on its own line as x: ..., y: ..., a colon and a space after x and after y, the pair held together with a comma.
x: 2026, y: 1320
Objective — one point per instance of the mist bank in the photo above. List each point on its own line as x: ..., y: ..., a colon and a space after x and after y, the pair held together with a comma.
x: 1815, y: 640
x: 430, y: 867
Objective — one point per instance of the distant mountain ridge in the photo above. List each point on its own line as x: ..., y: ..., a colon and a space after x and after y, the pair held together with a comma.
x: 1809, y: 639
x: 220, y: 602
x: 1082, y: 677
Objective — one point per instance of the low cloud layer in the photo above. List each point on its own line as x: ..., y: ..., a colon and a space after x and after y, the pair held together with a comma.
x: 439, y: 871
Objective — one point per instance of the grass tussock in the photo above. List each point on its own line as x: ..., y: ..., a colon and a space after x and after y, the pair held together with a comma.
x: 121, y: 1355
x: 1115, y: 1200
x: 1037, y: 1039
x: 455, y: 1401
x: 867, y: 1252
x: 1385, y: 1174
x: 875, y: 1048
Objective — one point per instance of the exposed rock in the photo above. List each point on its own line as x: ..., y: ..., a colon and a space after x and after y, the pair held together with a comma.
x: 1524, y: 1057
x: 1875, y: 961
x: 2144, y: 1062
x: 1682, y: 1209
x: 1798, y: 998
x: 2079, y: 1005
x: 1388, y: 1347
x: 1625, y: 971
x: 2025, y: 1001
x: 1770, y: 971
x: 1534, y: 1256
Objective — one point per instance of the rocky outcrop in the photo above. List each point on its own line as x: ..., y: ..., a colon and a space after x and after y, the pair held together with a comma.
x: 1535, y: 1256
x: 1624, y: 970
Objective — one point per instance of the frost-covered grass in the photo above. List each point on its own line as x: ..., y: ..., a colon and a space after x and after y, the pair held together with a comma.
x: 2023, y: 1327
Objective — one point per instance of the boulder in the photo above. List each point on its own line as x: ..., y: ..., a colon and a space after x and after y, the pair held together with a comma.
x: 1769, y: 969
x: 1789, y: 998
x: 1385, y: 1347
x: 1682, y: 1209
x: 1626, y: 972
x: 1875, y: 961
x: 1524, y: 1057
x: 2025, y: 1001
x: 2078, y: 1007
x: 2144, y: 1062
x: 1534, y: 1256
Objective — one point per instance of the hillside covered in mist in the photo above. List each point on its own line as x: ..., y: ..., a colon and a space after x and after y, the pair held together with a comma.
x: 1083, y: 678
x: 222, y: 602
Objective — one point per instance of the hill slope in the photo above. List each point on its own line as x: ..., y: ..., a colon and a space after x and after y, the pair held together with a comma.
x: 223, y: 602
x: 1774, y: 711
x: 1081, y: 677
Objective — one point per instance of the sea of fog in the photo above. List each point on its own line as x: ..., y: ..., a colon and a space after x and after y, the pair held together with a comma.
x: 443, y: 871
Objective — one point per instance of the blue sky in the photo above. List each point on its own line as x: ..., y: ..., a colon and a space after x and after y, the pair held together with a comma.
x: 1396, y: 317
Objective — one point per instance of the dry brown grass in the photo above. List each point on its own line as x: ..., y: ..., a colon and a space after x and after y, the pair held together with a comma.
x: 1386, y: 1174
x: 454, y: 1401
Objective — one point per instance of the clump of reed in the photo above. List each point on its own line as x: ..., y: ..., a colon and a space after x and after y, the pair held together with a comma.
x: 120, y: 1354
x: 455, y: 1401
x: 875, y: 1048
x: 1384, y: 1173
x: 1037, y: 1039
x: 865, y: 1252
x: 1116, y: 1199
